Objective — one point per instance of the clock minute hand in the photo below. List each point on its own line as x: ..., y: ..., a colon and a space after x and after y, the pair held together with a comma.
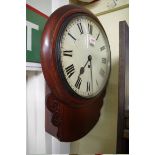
x: 90, y: 59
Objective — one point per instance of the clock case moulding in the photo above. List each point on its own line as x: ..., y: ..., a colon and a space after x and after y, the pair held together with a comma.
x: 68, y: 116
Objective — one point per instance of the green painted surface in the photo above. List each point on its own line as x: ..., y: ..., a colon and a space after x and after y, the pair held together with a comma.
x: 34, y: 54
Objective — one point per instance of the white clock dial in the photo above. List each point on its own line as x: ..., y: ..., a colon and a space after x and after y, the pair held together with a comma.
x: 85, y: 56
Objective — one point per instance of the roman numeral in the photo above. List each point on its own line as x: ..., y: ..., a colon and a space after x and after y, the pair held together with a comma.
x: 90, y: 29
x: 70, y: 70
x: 102, y: 48
x: 80, y: 27
x: 67, y: 53
x: 88, y: 86
x: 98, y: 36
x: 71, y: 36
x: 104, y: 60
x: 78, y: 83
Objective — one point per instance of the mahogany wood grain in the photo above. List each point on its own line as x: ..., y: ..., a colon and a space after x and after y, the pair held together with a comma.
x: 67, y: 117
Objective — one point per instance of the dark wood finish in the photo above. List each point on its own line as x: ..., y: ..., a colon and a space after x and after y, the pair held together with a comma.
x: 68, y: 117
x: 122, y: 142
x: 70, y: 123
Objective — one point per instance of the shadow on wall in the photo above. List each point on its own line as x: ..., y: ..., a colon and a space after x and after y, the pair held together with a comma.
x: 103, y: 137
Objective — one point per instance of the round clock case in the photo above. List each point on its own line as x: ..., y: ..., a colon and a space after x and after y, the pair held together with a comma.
x: 69, y: 115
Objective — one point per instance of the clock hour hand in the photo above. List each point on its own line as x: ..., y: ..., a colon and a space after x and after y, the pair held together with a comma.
x: 82, y: 68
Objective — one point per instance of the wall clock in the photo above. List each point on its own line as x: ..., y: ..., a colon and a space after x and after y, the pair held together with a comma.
x: 75, y: 58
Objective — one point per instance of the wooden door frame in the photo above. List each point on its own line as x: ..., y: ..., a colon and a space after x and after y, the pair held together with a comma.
x: 122, y: 84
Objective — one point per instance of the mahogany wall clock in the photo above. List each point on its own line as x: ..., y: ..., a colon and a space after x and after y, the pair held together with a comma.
x: 75, y: 58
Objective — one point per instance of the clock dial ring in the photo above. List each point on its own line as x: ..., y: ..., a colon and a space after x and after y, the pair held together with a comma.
x: 70, y: 88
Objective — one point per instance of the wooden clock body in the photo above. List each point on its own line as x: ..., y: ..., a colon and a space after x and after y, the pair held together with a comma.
x: 68, y: 116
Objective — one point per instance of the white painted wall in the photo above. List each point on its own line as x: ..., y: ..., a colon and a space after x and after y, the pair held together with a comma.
x: 58, y: 3
x: 35, y: 99
x: 38, y: 141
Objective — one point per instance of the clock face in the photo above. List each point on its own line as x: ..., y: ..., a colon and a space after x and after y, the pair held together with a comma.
x: 84, y: 56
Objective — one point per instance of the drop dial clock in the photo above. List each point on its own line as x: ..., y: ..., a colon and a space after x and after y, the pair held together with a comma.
x: 75, y: 59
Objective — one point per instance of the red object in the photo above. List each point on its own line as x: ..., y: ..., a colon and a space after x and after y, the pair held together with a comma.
x: 36, y: 11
